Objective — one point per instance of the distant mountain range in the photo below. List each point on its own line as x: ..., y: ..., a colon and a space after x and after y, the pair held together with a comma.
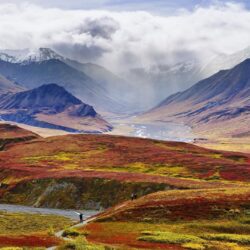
x: 94, y: 84
x: 167, y: 79
x: 91, y: 83
x: 219, y: 99
x: 221, y: 102
x: 51, y: 106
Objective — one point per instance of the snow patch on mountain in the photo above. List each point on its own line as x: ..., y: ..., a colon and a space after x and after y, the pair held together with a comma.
x: 28, y: 56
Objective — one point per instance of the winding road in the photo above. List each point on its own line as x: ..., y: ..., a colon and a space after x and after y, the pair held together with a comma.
x: 66, y: 213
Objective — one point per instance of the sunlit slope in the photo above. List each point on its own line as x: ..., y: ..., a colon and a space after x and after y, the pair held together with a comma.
x: 94, y: 171
x: 79, y: 155
x: 177, y: 219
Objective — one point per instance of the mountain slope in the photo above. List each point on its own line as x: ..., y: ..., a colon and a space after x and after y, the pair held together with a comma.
x: 223, y: 62
x: 47, y: 96
x: 7, y: 86
x: 219, y: 104
x: 122, y: 91
x: 51, y: 106
x: 164, y: 80
x: 226, y: 88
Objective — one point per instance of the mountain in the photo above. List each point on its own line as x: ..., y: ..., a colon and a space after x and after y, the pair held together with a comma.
x: 8, y: 86
x: 122, y: 91
x: 224, y: 61
x: 51, y: 106
x: 166, y: 79
x: 27, y: 56
x: 121, y: 95
x: 219, y: 104
x: 90, y: 82
x: 35, y: 74
x: 162, y: 80
x: 227, y: 87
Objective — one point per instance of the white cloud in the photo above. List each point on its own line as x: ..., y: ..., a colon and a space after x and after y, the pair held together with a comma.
x: 120, y: 40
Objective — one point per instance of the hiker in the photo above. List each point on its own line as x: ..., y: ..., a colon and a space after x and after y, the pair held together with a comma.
x: 133, y: 196
x: 80, y: 216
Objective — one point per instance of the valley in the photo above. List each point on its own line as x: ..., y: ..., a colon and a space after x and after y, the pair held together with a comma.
x: 166, y: 131
x: 74, y: 137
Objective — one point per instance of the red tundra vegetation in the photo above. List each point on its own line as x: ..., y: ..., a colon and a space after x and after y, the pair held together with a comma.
x: 29, y: 241
x: 181, y: 205
x: 116, y: 157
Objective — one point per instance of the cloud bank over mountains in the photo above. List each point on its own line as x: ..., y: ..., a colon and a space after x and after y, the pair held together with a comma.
x: 124, y: 40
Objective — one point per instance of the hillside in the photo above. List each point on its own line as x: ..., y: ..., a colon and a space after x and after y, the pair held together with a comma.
x: 10, y: 134
x: 51, y: 106
x: 112, y: 167
x: 177, y: 219
x: 7, y: 86
x: 175, y: 205
x: 188, y: 196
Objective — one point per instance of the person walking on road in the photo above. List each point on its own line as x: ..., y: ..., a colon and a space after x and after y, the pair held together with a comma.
x: 80, y: 216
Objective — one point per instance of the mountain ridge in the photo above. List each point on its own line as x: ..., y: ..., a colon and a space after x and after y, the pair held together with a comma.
x: 224, y: 85
x: 217, y: 108
x: 90, y: 82
x: 51, y: 106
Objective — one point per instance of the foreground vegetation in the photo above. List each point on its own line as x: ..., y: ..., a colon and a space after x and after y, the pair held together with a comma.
x: 30, y: 230
x: 186, y: 219
x: 197, y: 234
x: 188, y: 197
x: 80, y: 243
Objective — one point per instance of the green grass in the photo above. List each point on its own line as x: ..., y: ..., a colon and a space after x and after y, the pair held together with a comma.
x: 23, y: 223
x: 236, y: 238
x: 193, y: 246
x: 226, y: 226
x: 73, y: 232
x: 80, y: 244
x: 169, y: 237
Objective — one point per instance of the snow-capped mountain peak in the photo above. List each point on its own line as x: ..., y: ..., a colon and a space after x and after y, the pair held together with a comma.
x: 42, y: 54
x: 28, y: 56
x: 7, y: 58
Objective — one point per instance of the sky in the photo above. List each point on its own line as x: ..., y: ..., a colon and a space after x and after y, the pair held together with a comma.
x: 155, y: 6
x: 127, y: 34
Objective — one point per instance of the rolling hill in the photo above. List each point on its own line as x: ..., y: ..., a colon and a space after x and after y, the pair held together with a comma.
x: 176, y: 219
x: 51, y: 106
x: 107, y: 169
